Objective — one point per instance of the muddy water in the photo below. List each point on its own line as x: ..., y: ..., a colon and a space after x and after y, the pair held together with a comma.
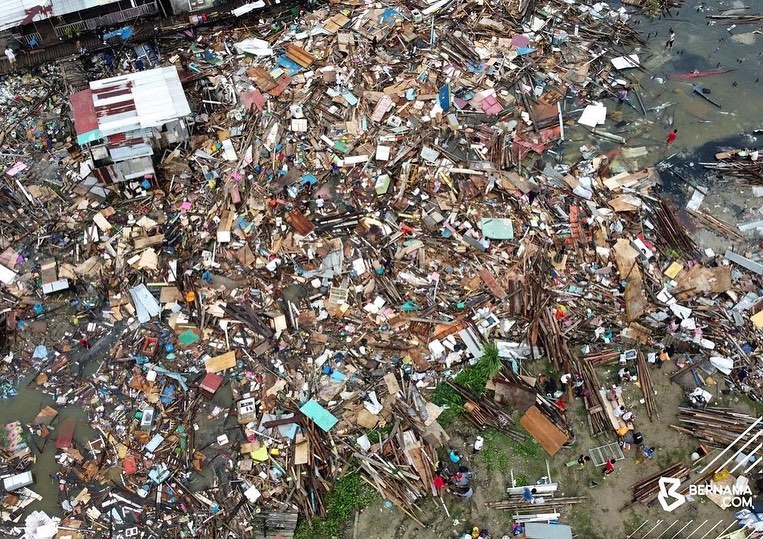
x: 701, y: 45
x: 24, y: 407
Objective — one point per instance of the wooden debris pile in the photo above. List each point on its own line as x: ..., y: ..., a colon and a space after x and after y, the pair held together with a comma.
x: 518, y: 503
x: 716, y: 427
x: 647, y: 490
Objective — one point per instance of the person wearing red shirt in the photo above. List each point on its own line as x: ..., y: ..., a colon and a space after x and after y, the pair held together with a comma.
x: 672, y: 137
x: 609, y: 467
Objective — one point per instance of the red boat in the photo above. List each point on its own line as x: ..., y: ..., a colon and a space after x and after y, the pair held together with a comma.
x: 697, y: 74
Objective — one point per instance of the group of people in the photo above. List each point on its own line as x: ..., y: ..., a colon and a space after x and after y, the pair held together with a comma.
x: 453, y: 475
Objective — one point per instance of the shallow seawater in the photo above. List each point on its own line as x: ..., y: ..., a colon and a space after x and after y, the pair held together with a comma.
x: 703, y: 128
x: 701, y: 44
x: 24, y: 407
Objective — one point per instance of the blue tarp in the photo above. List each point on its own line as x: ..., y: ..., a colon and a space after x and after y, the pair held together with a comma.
x: 288, y: 64
x: 443, y: 97
x: 125, y: 33
x: 390, y: 17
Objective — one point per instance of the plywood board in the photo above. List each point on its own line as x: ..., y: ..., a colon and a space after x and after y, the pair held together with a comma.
x: 221, y: 362
x: 492, y: 284
x: 701, y: 280
x: 626, y: 258
x: 548, y: 435
x: 301, y: 451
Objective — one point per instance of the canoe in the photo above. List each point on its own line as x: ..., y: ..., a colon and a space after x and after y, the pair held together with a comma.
x: 697, y: 74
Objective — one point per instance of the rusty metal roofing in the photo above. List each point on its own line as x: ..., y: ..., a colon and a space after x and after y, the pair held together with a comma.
x: 85, y: 121
x: 138, y: 100
x: 20, y: 12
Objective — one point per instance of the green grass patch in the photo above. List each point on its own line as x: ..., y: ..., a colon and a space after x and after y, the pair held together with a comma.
x: 521, y: 481
x: 375, y: 436
x: 475, y: 377
x: 349, y: 494
x: 446, y: 397
x: 529, y: 449
x: 494, y: 451
x: 632, y: 523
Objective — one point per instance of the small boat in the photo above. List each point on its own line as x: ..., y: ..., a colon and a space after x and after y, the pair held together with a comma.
x: 696, y: 74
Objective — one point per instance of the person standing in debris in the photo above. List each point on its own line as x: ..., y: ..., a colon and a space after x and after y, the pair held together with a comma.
x: 565, y: 379
x: 627, y: 416
x: 463, y: 477
x: 528, y: 495
x: 672, y: 137
x: 609, y: 467
x: 671, y: 39
x: 10, y: 55
x: 582, y: 459
x: 618, y: 412
x: 622, y: 96
x: 455, y: 456
x: 465, y: 492
x: 550, y: 386
x: 754, y: 155
x: 624, y: 376
x: 578, y: 386
x: 374, y: 43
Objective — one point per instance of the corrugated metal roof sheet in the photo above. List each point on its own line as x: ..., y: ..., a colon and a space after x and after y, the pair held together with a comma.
x: 85, y: 120
x: 17, y: 12
x: 139, y: 100
x: 62, y: 7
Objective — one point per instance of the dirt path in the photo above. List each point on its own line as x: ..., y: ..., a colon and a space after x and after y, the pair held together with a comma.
x: 609, y: 515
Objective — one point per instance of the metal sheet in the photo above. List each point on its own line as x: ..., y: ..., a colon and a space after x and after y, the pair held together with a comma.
x: 537, y: 530
x: 19, y: 12
x: 139, y: 100
x: 85, y: 120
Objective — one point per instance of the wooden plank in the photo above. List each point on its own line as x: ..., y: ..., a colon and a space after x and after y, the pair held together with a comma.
x: 626, y: 260
x: 261, y: 78
x: 301, y: 224
x: 221, y: 362
x: 149, y: 241
x: 299, y: 55
x: 490, y: 281
x: 65, y: 434
x: 548, y: 435
x: 336, y: 22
